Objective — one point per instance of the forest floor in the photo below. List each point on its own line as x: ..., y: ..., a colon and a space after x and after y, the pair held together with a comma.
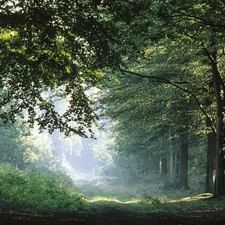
x: 119, y: 214
x: 122, y: 205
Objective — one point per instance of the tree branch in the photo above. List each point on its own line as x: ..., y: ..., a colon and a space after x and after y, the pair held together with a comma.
x: 166, y: 81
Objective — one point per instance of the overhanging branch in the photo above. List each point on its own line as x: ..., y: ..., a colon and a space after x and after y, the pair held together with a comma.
x: 166, y: 81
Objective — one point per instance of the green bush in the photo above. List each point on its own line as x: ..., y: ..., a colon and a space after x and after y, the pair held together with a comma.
x: 37, y: 190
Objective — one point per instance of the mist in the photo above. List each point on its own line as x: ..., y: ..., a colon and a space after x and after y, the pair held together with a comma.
x: 111, y: 166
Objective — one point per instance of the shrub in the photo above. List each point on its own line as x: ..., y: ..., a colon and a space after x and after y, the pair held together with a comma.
x: 37, y: 190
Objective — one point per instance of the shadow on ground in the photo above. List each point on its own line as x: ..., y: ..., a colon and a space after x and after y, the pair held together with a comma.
x: 116, y: 215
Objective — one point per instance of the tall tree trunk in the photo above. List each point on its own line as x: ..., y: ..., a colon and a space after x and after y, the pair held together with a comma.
x: 183, y: 166
x: 177, y: 163
x: 210, y: 167
x: 172, y: 165
x: 218, y: 85
x: 211, y: 146
x: 219, y: 181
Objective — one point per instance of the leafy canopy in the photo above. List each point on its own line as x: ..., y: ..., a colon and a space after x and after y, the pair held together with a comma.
x: 57, y: 47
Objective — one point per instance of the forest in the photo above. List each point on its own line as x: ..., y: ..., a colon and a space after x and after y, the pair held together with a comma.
x: 109, y: 109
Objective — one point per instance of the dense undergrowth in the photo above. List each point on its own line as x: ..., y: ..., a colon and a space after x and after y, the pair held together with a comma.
x: 45, y: 191
x: 38, y: 190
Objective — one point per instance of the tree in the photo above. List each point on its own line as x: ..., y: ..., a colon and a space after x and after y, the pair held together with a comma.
x: 20, y: 147
x: 62, y: 47
x: 11, y: 145
x: 149, y: 113
x: 57, y: 46
x: 199, y: 30
x: 204, y: 29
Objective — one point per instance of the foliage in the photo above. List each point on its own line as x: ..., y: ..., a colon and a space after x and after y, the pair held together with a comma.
x: 37, y: 190
x: 166, y: 53
x: 146, y: 120
x: 24, y: 147
x: 55, y: 47
x: 34, y: 179
x: 11, y: 145
x: 168, y: 84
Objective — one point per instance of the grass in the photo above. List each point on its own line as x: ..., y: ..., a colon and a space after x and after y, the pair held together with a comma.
x: 163, y: 204
x: 148, y: 197
x: 31, y: 191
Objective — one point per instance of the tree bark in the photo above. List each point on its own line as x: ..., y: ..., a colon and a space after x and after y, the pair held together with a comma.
x: 219, y: 181
x: 210, y: 167
x: 177, y: 163
x: 218, y: 85
x: 172, y: 166
x: 211, y: 146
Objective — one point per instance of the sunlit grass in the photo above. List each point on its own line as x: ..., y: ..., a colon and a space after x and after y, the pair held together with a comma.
x: 148, y: 197
x: 200, y: 202
x: 112, y: 200
x: 149, y: 203
x: 197, y: 197
x: 160, y: 204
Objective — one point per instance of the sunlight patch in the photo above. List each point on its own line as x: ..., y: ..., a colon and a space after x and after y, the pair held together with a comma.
x: 197, y: 197
x: 112, y: 200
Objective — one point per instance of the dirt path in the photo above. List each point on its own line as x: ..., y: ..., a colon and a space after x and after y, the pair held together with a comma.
x: 115, y: 216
